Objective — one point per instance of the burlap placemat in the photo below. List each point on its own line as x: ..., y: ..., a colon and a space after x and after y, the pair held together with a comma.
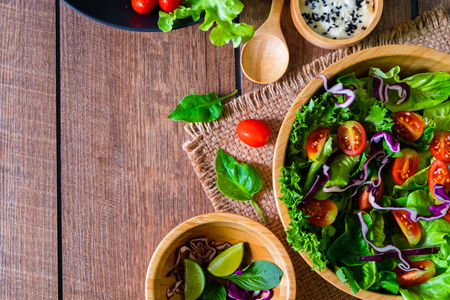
x: 270, y: 104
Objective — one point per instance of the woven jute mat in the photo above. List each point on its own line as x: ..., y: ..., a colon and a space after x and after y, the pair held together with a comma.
x: 270, y: 104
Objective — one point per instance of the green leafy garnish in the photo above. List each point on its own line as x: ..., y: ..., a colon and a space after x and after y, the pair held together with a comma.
x: 222, y: 13
x: 237, y: 181
x: 214, y: 291
x: 199, y: 108
x: 259, y: 275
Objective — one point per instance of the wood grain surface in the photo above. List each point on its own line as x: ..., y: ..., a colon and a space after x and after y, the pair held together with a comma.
x: 28, y: 202
x: 125, y: 180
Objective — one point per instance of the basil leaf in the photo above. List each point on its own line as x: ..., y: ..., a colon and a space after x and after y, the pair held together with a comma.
x: 214, y: 291
x: 199, y: 108
x: 259, y: 275
x: 237, y: 181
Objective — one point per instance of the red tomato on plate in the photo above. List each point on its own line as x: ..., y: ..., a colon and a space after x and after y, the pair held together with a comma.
x: 440, y: 146
x: 254, y: 133
x: 320, y: 212
x: 405, y: 166
x: 169, y: 5
x: 143, y: 6
x: 412, y: 278
x: 351, y: 138
x: 407, y: 125
x: 316, y: 141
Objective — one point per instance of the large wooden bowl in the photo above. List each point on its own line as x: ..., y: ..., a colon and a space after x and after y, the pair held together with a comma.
x: 260, y: 244
x: 327, y: 43
x: 411, y: 59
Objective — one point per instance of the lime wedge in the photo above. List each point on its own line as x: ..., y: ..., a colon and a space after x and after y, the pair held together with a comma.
x: 194, y: 280
x: 227, y: 262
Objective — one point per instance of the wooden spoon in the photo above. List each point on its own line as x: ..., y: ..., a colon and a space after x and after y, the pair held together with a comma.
x: 265, y: 58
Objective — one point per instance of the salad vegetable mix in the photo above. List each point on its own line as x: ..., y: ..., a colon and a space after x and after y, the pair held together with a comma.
x: 366, y: 181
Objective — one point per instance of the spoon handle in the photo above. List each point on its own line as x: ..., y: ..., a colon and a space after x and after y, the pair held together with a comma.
x: 275, y: 11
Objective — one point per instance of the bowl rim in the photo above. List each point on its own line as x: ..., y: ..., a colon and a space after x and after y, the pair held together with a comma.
x: 233, y: 219
x: 324, y: 42
x: 310, y: 89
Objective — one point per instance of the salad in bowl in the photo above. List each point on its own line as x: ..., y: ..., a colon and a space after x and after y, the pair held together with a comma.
x: 364, y: 183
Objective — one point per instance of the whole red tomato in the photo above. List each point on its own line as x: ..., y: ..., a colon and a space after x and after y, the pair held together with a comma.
x: 254, y: 133
x: 169, y: 5
x: 143, y: 6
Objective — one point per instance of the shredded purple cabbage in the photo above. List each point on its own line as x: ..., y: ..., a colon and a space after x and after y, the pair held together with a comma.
x: 338, y: 89
x: 438, y: 210
x: 405, y: 265
x: 402, y: 89
x: 409, y: 252
x: 380, y: 91
x: 320, y: 181
x: 392, y: 144
x: 380, y: 154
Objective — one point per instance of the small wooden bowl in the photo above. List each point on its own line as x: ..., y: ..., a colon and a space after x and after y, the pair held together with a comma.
x: 260, y: 244
x: 411, y: 59
x: 327, y: 43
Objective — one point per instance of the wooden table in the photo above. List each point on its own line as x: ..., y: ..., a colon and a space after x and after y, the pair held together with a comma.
x: 92, y: 173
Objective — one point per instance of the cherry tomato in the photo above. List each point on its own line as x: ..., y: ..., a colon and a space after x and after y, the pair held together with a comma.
x: 254, y: 133
x: 316, y: 140
x: 412, y: 278
x: 363, y: 195
x: 169, y: 5
x: 407, y: 125
x: 440, y: 146
x: 405, y: 166
x: 438, y: 173
x: 320, y: 212
x: 143, y: 6
x: 411, y: 230
x: 351, y: 138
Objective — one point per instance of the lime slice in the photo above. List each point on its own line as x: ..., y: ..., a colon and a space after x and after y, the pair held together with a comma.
x: 194, y: 280
x: 227, y: 262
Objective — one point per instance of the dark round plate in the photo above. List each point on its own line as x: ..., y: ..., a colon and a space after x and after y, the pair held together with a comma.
x: 120, y: 14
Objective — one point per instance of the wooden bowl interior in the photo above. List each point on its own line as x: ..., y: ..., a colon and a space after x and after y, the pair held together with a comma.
x: 259, y: 245
x: 411, y: 59
x: 328, y: 43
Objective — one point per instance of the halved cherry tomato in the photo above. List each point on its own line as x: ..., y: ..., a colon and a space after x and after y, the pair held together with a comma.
x: 407, y: 125
x: 405, y: 166
x: 438, y: 173
x: 320, y: 212
x: 169, y: 5
x: 254, y: 133
x: 412, y: 278
x: 440, y: 146
x: 411, y: 230
x: 363, y: 195
x: 143, y: 6
x: 316, y: 140
x: 351, y: 138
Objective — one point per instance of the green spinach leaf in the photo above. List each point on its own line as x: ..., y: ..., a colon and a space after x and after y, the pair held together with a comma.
x: 259, y: 275
x: 237, y: 181
x: 199, y: 108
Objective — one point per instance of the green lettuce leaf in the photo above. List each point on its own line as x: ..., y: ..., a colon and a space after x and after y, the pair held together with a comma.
x: 341, y: 168
x: 348, y: 247
x: 439, y: 116
x: 221, y: 13
x: 437, y: 287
